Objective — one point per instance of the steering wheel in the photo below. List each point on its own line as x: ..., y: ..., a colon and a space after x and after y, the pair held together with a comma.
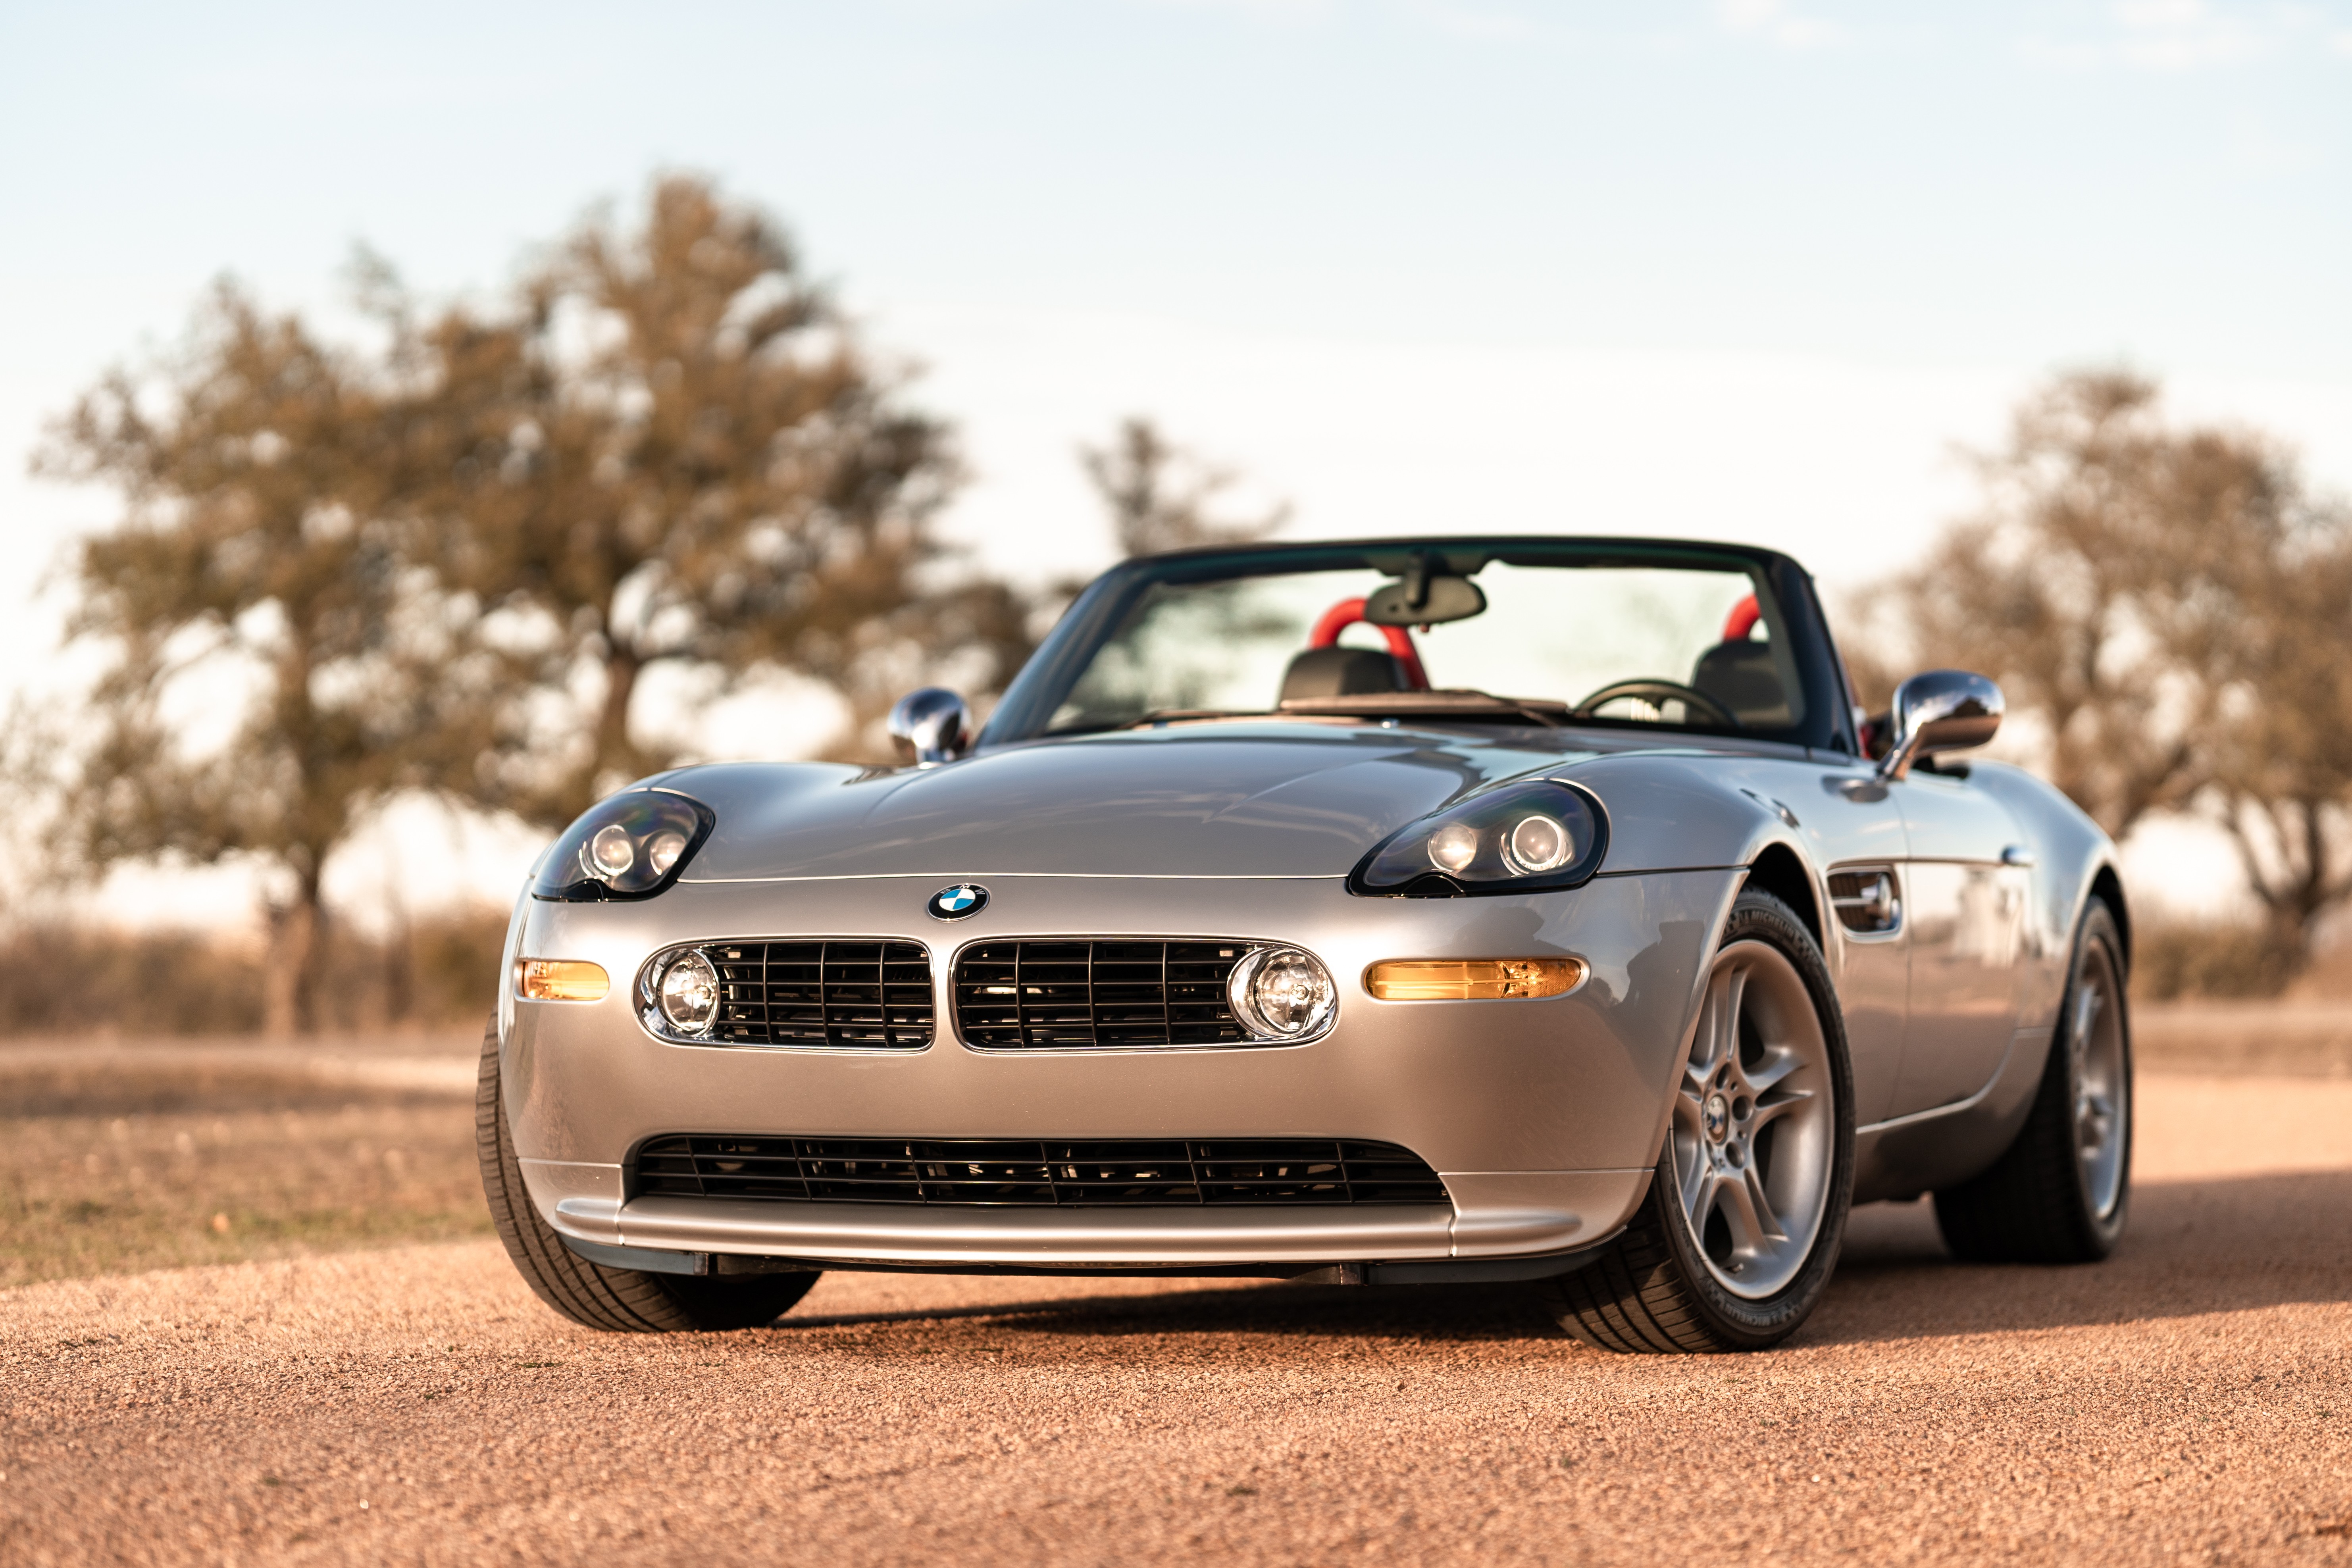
x: 1660, y: 692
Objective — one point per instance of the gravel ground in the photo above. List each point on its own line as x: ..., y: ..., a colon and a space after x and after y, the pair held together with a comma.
x: 2190, y: 1401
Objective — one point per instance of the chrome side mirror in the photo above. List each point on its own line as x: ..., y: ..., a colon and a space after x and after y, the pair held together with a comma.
x: 930, y: 726
x: 1942, y: 710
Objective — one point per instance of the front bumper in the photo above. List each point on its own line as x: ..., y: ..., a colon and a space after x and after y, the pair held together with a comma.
x: 1543, y: 1117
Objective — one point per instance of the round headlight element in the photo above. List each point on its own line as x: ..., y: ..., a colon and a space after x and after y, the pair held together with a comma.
x: 689, y: 995
x: 1538, y: 843
x: 608, y: 853
x: 1282, y: 994
x: 664, y: 851
x: 1452, y: 846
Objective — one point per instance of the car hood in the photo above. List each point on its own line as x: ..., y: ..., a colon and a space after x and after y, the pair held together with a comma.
x: 1276, y: 800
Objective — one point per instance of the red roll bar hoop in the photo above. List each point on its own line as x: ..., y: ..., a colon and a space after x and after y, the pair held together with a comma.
x: 1346, y: 613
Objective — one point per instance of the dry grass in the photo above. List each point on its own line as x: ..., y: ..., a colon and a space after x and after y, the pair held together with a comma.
x: 153, y: 984
x: 84, y: 1193
x: 2256, y: 1039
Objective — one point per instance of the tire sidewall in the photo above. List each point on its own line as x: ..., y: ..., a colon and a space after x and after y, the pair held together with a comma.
x: 2098, y: 927
x: 591, y: 1293
x: 1742, y: 1323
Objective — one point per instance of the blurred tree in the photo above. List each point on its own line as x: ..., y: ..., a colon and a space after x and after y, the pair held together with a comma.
x: 2279, y: 766
x: 1159, y: 495
x: 2170, y: 610
x: 2096, y: 585
x: 254, y: 576
x: 673, y: 451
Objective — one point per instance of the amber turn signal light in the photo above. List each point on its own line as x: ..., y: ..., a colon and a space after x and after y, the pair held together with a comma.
x: 1472, y: 979
x: 564, y: 980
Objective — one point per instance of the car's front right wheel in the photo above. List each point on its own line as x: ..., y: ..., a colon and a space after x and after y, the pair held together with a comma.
x: 1736, y: 1241
x: 625, y: 1300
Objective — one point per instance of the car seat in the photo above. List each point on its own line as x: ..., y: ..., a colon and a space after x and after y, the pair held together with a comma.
x: 1742, y: 677
x: 1321, y: 672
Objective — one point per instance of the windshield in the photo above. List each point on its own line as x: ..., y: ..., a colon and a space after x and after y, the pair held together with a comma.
x: 1571, y: 634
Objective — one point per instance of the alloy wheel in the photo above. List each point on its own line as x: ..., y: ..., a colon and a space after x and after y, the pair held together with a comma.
x: 1755, y: 1123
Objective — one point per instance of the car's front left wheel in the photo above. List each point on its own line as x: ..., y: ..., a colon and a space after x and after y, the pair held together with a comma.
x: 624, y: 1301
x: 1735, y: 1244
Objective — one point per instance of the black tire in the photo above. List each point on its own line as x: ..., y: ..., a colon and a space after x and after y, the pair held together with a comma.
x: 623, y: 1300
x: 2035, y: 1205
x: 1651, y: 1291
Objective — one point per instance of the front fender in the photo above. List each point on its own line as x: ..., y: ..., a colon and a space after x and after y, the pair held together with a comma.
x: 1679, y: 813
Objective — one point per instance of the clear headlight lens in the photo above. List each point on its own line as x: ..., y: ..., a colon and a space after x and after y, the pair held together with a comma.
x: 631, y: 846
x: 1537, y: 843
x: 663, y: 851
x: 1452, y: 846
x: 609, y: 854
x: 688, y: 994
x: 1282, y: 994
x: 1526, y: 836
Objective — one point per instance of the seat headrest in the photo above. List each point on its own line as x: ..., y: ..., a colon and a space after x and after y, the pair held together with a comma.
x: 1742, y: 677
x: 1341, y: 672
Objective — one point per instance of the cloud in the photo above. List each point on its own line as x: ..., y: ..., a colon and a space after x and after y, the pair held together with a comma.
x: 2175, y: 37
x: 1475, y: 21
x: 1286, y: 13
x: 1774, y: 22
x: 2183, y: 34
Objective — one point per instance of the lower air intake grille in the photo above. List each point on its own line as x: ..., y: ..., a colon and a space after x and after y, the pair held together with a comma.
x: 1058, y: 995
x: 854, y: 994
x: 1125, y: 1171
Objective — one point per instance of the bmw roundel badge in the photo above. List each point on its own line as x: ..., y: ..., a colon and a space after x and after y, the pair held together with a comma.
x: 954, y: 903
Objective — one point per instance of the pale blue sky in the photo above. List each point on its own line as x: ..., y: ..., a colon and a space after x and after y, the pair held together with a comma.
x: 1741, y: 268
x: 1984, y: 190
x: 1982, y: 182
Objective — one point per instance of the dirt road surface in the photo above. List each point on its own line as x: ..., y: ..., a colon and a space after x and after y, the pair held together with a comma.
x: 2188, y: 1401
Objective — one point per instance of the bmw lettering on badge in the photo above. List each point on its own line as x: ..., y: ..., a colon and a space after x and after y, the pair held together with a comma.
x: 954, y: 903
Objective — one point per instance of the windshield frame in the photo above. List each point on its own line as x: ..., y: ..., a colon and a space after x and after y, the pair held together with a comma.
x: 1030, y: 702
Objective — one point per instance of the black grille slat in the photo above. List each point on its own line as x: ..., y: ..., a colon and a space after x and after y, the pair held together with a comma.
x: 857, y: 993
x: 1097, y: 1173
x: 1039, y: 995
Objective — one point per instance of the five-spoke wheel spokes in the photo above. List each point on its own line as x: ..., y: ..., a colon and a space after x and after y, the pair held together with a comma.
x: 2094, y: 1036
x: 1755, y: 1123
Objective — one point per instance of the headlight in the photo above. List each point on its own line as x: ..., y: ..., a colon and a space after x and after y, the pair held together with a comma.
x: 631, y: 846
x: 1282, y: 994
x: 1527, y: 836
x: 679, y: 993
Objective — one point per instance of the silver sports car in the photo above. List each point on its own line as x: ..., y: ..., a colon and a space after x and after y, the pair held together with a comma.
x: 1529, y: 911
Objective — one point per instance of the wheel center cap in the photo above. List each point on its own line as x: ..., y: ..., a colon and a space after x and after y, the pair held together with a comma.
x: 1716, y: 1115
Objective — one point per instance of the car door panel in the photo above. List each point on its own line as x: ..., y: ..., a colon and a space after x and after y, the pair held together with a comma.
x: 1965, y: 913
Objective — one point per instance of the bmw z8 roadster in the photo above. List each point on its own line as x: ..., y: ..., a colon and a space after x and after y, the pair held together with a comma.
x: 1530, y: 911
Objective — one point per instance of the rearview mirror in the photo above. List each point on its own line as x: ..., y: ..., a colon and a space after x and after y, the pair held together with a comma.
x: 1427, y: 596
x: 1941, y: 711
x: 930, y: 726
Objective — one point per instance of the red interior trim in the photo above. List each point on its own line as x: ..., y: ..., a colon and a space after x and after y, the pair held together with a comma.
x: 1742, y: 620
x: 1346, y: 613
